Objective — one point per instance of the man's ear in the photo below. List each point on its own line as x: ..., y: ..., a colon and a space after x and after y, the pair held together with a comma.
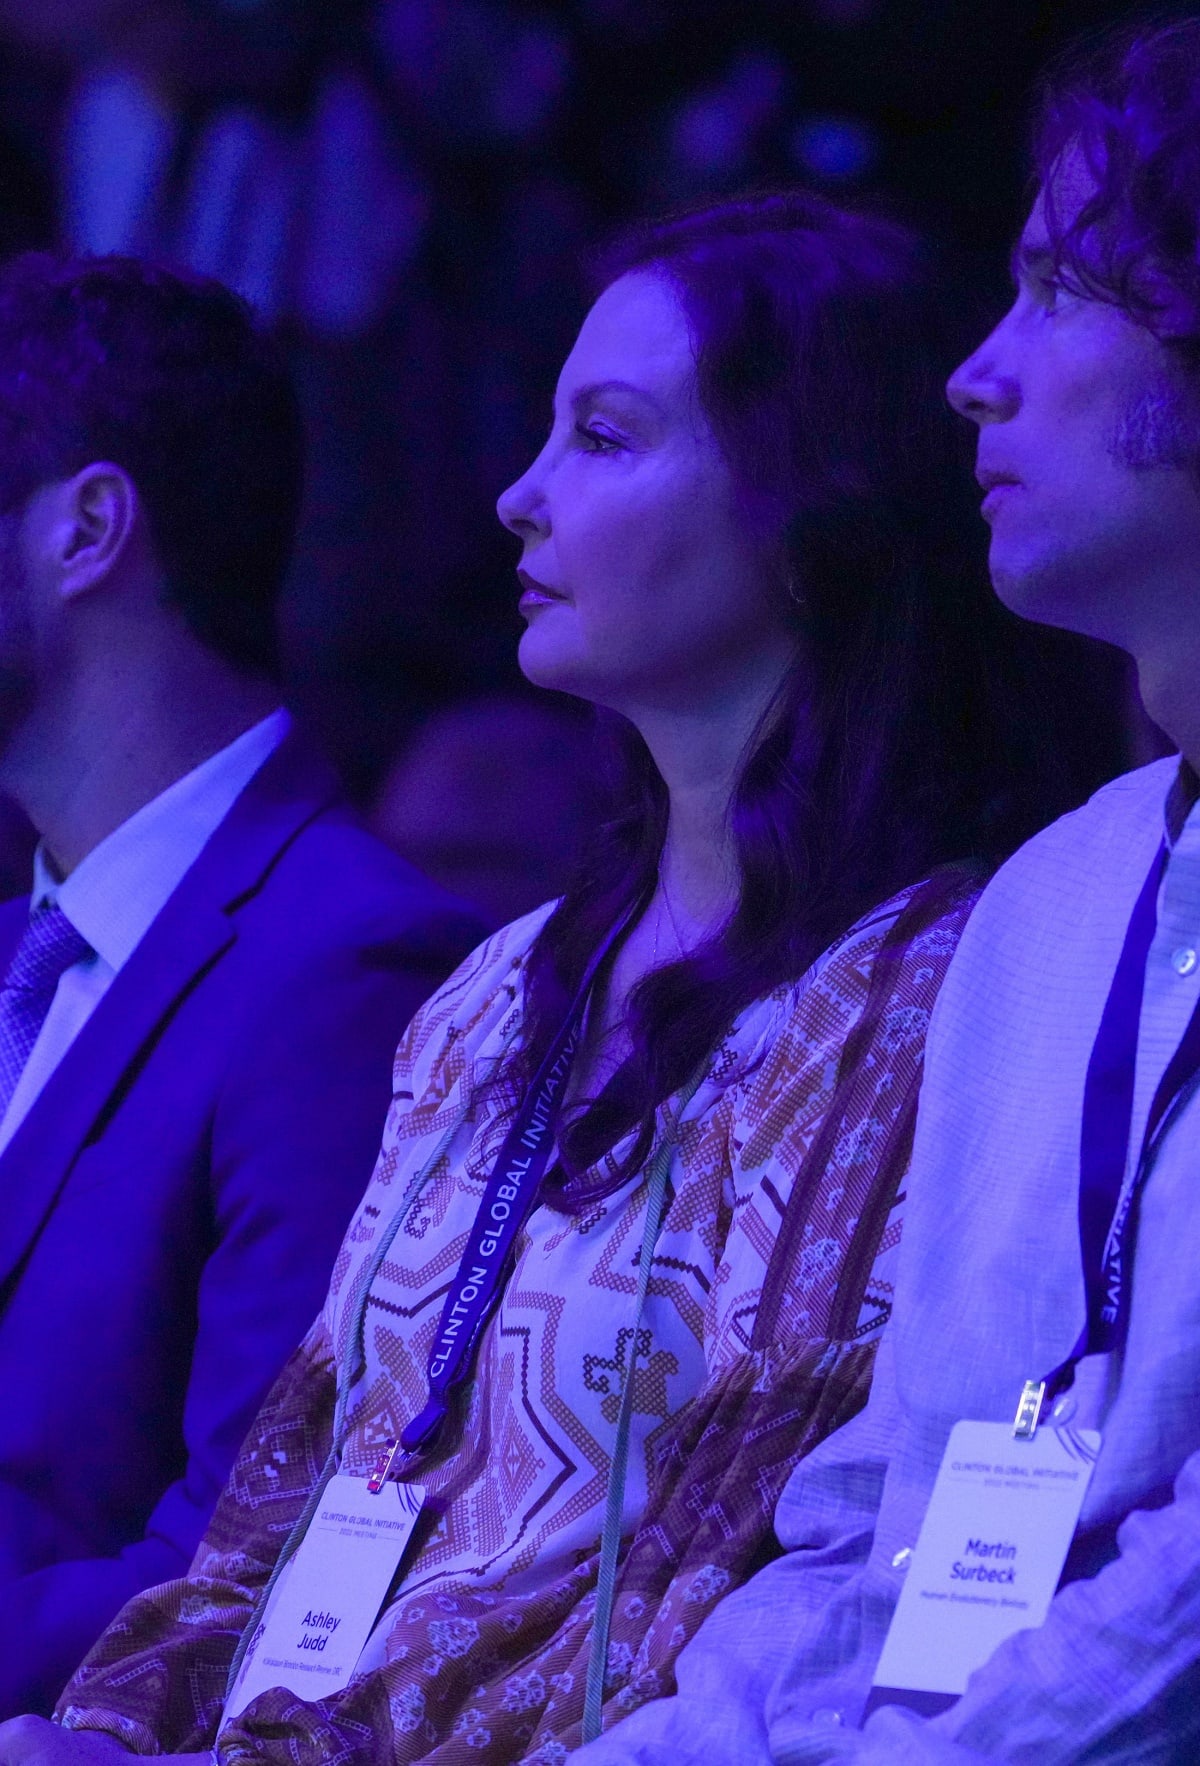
x: 95, y: 521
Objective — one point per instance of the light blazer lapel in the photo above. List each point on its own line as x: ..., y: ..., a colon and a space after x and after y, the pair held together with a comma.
x: 191, y: 934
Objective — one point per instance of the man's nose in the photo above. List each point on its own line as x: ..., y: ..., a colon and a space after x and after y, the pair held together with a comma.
x: 981, y: 390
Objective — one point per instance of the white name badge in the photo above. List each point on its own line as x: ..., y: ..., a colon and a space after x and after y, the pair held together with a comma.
x: 324, y: 1606
x: 987, y: 1562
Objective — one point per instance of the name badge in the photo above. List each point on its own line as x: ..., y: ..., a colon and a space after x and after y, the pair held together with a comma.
x: 988, y: 1559
x: 325, y: 1604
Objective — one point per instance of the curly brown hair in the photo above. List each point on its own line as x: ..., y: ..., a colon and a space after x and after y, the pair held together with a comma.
x: 1129, y: 106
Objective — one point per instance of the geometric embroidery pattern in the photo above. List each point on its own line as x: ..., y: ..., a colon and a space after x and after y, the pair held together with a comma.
x: 770, y: 1286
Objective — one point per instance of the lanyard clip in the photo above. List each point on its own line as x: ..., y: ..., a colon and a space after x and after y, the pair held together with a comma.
x: 1029, y: 1410
x: 382, y: 1469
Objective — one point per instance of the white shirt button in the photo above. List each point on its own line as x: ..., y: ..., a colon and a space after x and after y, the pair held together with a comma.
x: 1183, y: 961
x: 901, y: 1559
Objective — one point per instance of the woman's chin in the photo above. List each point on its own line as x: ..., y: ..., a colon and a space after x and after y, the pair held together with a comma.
x: 546, y: 663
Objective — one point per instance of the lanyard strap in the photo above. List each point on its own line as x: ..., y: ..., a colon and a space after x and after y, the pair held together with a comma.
x: 542, y: 1125
x: 610, y: 1538
x: 1106, y: 1200
x: 657, y: 1179
x: 509, y: 1198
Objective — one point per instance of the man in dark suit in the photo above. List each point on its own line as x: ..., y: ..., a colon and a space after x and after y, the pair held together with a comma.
x: 200, y: 1002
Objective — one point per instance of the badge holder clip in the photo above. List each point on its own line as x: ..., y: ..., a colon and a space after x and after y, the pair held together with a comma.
x: 1029, y: 1410
x: 386, y: 1465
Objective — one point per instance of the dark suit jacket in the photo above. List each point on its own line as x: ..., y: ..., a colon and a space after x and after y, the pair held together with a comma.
x: 171, y: 1206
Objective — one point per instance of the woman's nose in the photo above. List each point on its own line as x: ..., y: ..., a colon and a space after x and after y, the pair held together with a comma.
x: 522, y: 507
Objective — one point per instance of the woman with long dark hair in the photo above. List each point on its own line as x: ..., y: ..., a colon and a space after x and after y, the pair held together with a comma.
x: 626, y: 1254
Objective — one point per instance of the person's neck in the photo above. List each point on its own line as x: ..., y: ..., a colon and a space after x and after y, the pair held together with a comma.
x: 698, y: 870
x: 700, y: 754
x: 87, y: 758
x: 1169, y: 683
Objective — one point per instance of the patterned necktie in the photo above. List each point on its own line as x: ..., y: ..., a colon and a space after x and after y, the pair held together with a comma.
x: 49, y: 946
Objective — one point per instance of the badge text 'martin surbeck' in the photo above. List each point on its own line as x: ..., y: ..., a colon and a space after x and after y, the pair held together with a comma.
x: 986, y: 1572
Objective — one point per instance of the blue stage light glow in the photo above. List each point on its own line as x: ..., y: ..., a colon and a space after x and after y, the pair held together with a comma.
x: 836, y: 150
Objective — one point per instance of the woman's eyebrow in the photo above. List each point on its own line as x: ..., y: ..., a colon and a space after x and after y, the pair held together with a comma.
x: 586, y: 395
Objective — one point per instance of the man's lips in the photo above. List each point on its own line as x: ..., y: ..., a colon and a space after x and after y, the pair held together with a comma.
x: 996, y: 485
x: 988, y: 477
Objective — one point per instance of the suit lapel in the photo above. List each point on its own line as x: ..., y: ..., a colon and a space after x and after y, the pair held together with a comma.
x: 191, y: 934
x: 14, y: 917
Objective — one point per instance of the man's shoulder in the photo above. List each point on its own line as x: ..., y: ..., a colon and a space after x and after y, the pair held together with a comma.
x: 292, y: 850
x: 1132, y: 800
x: 1046, y: 931
x: 1096, y: 849
x: 334, y: 880
x: 335, y: 854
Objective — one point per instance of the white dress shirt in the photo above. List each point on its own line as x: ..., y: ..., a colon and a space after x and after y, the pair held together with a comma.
x: 990, y: 1293
x: 116, y: 892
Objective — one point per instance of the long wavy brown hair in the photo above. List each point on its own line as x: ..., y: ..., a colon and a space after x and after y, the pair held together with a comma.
x: 900, y: 741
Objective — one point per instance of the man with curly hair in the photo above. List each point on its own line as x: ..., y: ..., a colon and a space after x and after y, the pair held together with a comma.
x: 1066, y: 1039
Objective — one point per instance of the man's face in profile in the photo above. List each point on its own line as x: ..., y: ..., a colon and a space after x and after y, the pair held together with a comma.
x: 1088, y: 450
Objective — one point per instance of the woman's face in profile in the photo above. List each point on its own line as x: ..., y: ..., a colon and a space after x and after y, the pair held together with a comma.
x: 643, y: 586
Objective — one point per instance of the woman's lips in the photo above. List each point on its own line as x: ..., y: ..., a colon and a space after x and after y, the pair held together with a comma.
x: 535, y: 594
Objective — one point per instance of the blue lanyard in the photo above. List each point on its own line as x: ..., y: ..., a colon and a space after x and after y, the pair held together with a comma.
x: 509, y: 1198
x: 1106, y: 1205
x: 657, y: 1186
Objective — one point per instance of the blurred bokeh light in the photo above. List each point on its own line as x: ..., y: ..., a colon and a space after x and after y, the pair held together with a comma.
x: 409, y: 190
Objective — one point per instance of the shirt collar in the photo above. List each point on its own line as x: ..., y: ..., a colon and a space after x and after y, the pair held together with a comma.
x: 114, y: 895
x: 1181, y: 801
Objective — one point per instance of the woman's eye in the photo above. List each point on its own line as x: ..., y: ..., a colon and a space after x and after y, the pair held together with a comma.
x: 597, y: 441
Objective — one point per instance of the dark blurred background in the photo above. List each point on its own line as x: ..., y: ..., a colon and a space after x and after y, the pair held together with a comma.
x: 407, y: 189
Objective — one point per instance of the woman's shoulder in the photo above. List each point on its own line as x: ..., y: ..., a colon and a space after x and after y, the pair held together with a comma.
x: 481, y: 994
x: 879, y: 976
x: 887, y: 967
x: 504, y: 952
x: 807, y: 1106
x: 926, y: 917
